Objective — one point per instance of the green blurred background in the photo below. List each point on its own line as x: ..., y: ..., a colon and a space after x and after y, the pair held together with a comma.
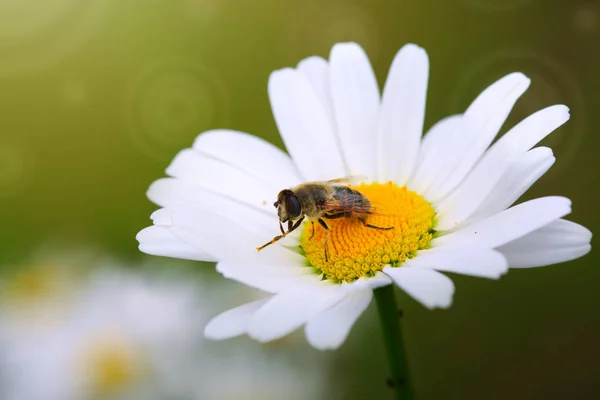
x: 97, y: 96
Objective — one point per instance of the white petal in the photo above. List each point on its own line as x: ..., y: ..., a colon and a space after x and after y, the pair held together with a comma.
x: 250, y: 154
x: 481, y: 123
x: 544, y: 257
x: 177, y: 194
x: 402, y: 114
x: 355, y: 105
x: 428, y: 287
x: 516, y: 181
x: 233, y: 322
x: 168, y: 192
x: 508, y: 225
x: 557, y: 242
x: 290, y: 309
x: 482, y: 181
x: 469, y: 195
x: 435, y: 144
x: 162, y: 217
x: 484, y: 263
x: 328, y: 330
x: 536, y: 127
x: 559, y: 233
x: 305, y: 126
x: 228, y: 239
x: 160, y: 241
x: 269, y: 278
x: 316, y: 70
x: 222, y: 178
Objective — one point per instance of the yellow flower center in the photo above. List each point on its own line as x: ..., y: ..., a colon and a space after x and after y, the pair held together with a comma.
x: 355, y: 250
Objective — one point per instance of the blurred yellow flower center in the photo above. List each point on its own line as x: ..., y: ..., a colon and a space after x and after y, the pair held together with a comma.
x: 112, y: 366
x: 355, y: 250
x: 32, y: 285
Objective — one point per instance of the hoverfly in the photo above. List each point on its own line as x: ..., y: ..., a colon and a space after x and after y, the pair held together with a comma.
x: 318, y: 201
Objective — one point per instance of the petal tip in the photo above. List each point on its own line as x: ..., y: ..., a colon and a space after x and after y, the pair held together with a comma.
x: 343, y: 49
x: 139, y: 236
x: 414, y: 48
x: 162, y: 217
x: 211, y: 332
x: 517, y: 80
x: 311, y: 60
x: 346, y: 45
x: 586, y: 249
x: 442, y: 305
x: 279, y: 74
x: 445, y: 306
x: 564, y: 203
x: 324, y: 347
x: 157, y: 190
x: 259, y: 335
x: 519, y: 76
x: 560, y: 112
x: 564, y: 109
x: 587, y: 236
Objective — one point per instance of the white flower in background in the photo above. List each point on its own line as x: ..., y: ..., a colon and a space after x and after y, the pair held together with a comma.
x: 251, y: 374
x: 450, y: 191
x: 20, y: 305
x: 123, y: 336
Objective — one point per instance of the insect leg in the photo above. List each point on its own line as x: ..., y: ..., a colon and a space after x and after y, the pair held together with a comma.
x: 360, y: 217
x: 324, y: 225
x: 338, y: 215
x: 281, y: 227
x: 364, y: 222
x: 276, y: 238
x: 313, y: 229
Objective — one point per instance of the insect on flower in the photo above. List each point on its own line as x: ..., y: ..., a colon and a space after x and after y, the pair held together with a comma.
x: 436, y: 199
x: 321, y: 200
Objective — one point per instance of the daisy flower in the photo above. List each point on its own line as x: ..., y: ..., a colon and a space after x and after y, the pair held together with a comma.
x: 121, y: 336
x: 450, y: 192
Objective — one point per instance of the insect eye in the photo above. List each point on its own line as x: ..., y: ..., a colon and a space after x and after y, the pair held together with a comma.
x: 292, y: 207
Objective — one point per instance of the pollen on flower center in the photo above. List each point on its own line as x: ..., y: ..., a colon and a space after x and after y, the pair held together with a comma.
x: 355, y: 250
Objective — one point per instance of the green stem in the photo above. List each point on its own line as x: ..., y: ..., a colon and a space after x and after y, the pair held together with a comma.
x: 394, y: 344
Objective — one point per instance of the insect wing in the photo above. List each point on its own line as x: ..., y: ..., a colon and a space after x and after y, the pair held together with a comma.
x: 349, y: 203
x: 348, y: 180
x: 355, y: 204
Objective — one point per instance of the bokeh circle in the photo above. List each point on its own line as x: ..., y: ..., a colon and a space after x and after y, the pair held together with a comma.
x: 171, y: 102
x: 551, y: 83
x: 37, y: 34
x: 332, y: 22
x: 586, y: 17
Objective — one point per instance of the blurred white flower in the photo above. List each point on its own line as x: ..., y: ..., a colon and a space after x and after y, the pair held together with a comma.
x: 120, y: 335
x: 251, y: 373
x: 71, y: 334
